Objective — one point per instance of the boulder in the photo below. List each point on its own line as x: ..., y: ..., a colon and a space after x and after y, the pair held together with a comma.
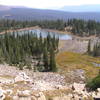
x: 24, y: 98
x: 21, y: 98
x: 62, y: 98
x: 76, y: 97
x: 2, y: 96
x: 96, y: 95
x: 42, y: 85
x: 15, y: 98
x: 8, y: 91
x: 33, y: 98
x: 25, y: 93
x: 98, y: 89
x: 22, y: 77
x: 61, y: 87
x: 40, y: 96
x: 77, y: 87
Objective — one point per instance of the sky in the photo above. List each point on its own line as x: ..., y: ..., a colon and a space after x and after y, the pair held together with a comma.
x: 46, y: 4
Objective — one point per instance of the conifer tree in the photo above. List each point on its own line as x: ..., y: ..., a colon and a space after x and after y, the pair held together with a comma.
x: 89, y: 47
x: 45, y: 59
x: 52, y: 60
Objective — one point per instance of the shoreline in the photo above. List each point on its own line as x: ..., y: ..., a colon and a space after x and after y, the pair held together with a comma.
x: 22, y: 29
x: 52, y: 30
x: 36, y: 27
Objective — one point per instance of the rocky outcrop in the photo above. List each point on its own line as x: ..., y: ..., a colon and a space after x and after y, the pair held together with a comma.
x: 22, y: 77
x: 25, y: 95
x: 36, y: 86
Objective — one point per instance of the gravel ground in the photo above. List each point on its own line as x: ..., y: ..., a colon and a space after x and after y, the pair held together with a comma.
x: 6, y: 70
x: 77, y: 44
x: 74, y: 46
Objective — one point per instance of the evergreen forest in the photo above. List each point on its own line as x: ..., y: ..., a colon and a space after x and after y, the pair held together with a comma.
x: 29, y: 50
x: 76, y: 26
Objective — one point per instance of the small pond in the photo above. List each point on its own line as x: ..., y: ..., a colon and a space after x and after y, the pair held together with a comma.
x: 96, y: 64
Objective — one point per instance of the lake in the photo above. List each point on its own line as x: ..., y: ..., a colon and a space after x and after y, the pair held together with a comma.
x: 44, y: 34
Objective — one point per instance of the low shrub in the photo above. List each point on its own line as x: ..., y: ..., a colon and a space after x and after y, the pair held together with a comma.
x: 94, y: 83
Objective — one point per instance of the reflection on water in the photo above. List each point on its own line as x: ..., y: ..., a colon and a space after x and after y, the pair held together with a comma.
x: 44, y: 34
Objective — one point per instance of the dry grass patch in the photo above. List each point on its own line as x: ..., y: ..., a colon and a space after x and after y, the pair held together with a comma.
x: 55, y: 93
x: 68, y: 61
x: 6, y: 76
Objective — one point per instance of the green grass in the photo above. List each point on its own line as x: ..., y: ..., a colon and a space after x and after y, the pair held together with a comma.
x: 70, y: 61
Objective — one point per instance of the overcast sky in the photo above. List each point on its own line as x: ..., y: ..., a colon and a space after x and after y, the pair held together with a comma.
x: 47, y: 3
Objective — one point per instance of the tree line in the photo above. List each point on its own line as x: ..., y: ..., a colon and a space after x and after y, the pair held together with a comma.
x: 77, y: 26
x: 21, y: 49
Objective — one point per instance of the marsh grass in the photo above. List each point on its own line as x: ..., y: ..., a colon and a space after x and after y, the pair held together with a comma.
x: 68, y: 61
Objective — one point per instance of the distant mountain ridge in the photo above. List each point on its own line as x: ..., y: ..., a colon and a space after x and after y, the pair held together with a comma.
x: 82, y: 8
x: 24, y: 13
x: 4, y: 8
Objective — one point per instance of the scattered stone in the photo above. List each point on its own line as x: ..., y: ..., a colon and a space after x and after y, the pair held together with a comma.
x: 15, y: 98
x: 25, y: 93
x: 21, y: 98
x: 42, y: 85
x: 62, y: 98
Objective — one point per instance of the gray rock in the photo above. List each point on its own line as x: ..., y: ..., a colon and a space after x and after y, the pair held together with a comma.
x: 2, y: 96
x: 22, y: 77
x: 25, y: 93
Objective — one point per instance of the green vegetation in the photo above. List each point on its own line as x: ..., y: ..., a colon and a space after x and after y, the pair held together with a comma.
x: 77, y: 27
x: 21, y: 49
x: 52, y: 60
x: 84, y: 28
x: 89, y: 47
x: 95, y: 83
x: 96, y: 49
x: 69, y: 61
x: 12, y: 24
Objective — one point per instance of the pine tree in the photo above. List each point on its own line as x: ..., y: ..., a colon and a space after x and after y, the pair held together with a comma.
x: 52, y: 61
x: 89, y: 47
x: 45, y: 59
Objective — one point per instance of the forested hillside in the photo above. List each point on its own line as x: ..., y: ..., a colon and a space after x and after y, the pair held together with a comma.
x: 22, y: 13
x: 95, y: 51
x: 77, y: 27
x: 21, y: 49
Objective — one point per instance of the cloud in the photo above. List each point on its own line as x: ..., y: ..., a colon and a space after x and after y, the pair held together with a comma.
x: 47, y: 3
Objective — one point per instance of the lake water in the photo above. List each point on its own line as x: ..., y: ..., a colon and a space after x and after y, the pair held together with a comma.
x: 44, y: 34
